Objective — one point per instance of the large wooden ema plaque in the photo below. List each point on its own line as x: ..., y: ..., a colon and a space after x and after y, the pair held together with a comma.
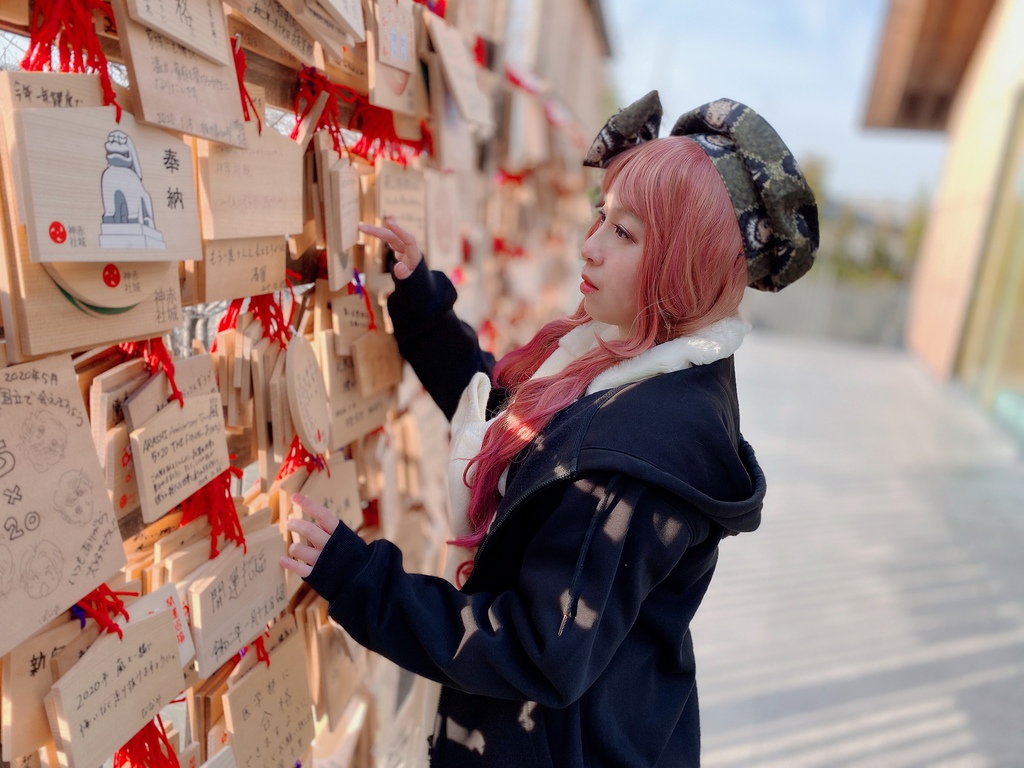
x: 85, y: 294
x: 60, y: 537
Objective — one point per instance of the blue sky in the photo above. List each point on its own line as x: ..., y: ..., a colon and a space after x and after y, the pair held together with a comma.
x: 805, y: 65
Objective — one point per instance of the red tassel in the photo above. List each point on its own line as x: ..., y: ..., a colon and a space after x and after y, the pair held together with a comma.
x: 311, y: 85
x: 261, y: 649
x: 102, y: 604
x: 149, y: 748
x: 229, y: 321
x: 377, y: 125
x: 298, y: 458
x: 215, y: 501
x: 240, y: 64
x: 68, y: 25
x: 358, y: 288
x: 268, y: 310
x: 155, y: 353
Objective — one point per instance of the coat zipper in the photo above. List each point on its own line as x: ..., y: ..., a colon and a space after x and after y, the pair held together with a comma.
x: 600, y: 514
x: 505, y: 515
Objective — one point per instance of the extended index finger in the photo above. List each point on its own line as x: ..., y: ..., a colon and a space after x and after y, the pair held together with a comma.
x: 402, y: 233
x: 323, y: 517
x: 388, y: 236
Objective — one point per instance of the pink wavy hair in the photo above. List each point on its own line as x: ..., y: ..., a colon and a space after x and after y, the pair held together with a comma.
x: 691, y: 274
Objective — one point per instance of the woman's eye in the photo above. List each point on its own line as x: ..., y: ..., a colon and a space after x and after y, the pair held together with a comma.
x: 620, y: 232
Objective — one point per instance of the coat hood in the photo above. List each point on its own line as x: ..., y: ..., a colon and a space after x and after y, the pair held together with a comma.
x: 678, y: 431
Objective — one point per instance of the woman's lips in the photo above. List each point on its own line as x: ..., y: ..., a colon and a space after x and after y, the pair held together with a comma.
x: 587, y: 287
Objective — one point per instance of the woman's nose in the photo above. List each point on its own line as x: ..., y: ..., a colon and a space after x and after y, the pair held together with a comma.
x: 589, y: 250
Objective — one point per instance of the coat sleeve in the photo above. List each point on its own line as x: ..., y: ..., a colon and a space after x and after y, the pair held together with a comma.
x: 442, y: 350
x: 584, y: 577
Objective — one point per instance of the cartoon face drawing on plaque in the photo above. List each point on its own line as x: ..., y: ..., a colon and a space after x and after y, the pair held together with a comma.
x: 73, y: 498
x: 6, y: 570
x: 128, y: 220
x: 44, y: 439
x: 41, y: 568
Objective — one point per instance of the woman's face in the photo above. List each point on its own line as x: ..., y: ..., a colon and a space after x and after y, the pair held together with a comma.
x: 611, y: 257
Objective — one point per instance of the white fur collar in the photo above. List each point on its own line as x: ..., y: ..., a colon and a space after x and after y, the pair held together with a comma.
x: 714, y: 342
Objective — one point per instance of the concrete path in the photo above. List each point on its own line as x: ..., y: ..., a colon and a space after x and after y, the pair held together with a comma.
x: 877, y: 617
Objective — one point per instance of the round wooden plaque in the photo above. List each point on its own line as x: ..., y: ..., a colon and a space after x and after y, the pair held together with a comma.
x: 307, y: 396
x: 109, y: 285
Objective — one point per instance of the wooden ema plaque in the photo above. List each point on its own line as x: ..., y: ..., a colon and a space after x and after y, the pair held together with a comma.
x: 341, y: 211
x: 118, y: 686
x: 443, y: 231
x: 349, y: 13
x: 351, y: 414
x: 350, y: 321
x: 199, y: 25
x: 107, y: 288
x: 459, y: 71
x: 307, y: 396
x: 232, y: 602
x: 241, y: 267
x: 269, y: 713
x: 27, y: 679
x: 194, y: 376
x: 337, y: 489
x: 178, y: 89
x: 251, y: 192
x: 177, y: 452
x: 119, y: 472
x: 256, y: 41
x: 40, y: 317
x: 377, y: 361
x: 454, y: 145
x: 274, y: 20
x: 392, y: 88
x: 119, y: 192
x: 165, y: 598
x: 60, y: 538
x: 396, y: 35
x: 322, y: 26
x: 401, y: 193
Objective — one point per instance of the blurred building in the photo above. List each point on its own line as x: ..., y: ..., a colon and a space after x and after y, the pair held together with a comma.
x: 958, y: 66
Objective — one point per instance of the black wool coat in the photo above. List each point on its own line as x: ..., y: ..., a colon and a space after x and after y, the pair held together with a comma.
x: 569, y: 644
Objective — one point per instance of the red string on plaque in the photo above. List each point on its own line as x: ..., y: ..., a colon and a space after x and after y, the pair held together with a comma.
x: 300, y: 458
x: 149, y: 748
x: 356, y: 287
x: 229, y: 321
x: 154, y: 353
x: 375, y: 124
x: 68, y: 26
x: 267, y: 309
x: 240, y: 64
x: 216, y: 502
x: 261, y: 650
x: 101, y: 605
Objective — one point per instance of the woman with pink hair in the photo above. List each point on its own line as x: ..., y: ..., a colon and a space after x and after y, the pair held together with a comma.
x: 595, y: 470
